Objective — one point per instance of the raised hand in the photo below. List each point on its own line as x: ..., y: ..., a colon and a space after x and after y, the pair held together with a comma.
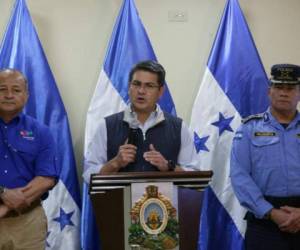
x: 156, y: 158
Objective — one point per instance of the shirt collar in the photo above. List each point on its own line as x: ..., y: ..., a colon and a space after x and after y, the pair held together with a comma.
x: 14, y: 121
x: 268, y: 117
x: 297, y: 118
x: 130, y: 116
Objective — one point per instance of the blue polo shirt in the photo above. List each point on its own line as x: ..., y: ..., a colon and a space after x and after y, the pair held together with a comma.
x: 27, y: 150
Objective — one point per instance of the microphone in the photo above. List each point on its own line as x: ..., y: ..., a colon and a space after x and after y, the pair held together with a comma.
x: 133, y: 134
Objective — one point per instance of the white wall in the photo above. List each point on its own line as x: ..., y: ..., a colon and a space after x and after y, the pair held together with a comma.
x: 75, y: 34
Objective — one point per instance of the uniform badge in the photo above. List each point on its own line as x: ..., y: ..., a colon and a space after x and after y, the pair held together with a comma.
x: 153, y: 221
x: 264, y: 134
x: 298, y: 136
x: 238, y: 136
x: 28, y: 135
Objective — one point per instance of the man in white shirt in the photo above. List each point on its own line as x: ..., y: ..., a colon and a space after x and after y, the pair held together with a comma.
x: 142, y: 137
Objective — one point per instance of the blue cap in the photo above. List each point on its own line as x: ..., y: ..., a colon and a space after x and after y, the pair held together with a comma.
x: 285, y: 74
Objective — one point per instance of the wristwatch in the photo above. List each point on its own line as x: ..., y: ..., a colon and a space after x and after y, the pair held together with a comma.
x: 267, y: 215
x: 171, y: 165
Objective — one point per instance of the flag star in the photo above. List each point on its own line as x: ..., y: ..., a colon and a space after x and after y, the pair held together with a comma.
x: 223, y: 123
x: 64, y: 219
x: 47, y: 243
x: 200, y: 143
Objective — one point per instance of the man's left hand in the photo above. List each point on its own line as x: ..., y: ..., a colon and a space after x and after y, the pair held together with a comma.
x: 156, y: 158
x: 37, y: 187
x: 292, y: 225
x: 15, y: 199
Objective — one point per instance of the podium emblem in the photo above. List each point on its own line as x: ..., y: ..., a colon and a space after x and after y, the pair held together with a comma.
x: 153, y: 216
x: 153, y: 221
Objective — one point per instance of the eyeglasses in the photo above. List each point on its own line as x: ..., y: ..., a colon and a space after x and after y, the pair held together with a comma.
x: 149, y: 86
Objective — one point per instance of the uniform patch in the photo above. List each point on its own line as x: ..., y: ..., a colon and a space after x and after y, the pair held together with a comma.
x: 238, y: 136
x: 264, y: 134
x: 298, y: 135
x: 28, y: 135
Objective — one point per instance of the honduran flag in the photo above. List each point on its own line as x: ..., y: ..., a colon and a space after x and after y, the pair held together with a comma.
x: 234, y: 86
x: 128, y: 45
x: 22, y: 50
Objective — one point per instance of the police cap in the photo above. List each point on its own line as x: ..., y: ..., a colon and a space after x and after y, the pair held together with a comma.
x: 285, y: 74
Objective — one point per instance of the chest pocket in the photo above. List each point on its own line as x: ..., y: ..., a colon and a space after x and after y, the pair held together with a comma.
x: 266, y: 150
x: 25, y: 149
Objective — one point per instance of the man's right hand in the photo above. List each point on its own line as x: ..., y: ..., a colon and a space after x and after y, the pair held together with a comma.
x: 279, y: 216
x: 126, y: 155
x: 14, y: 199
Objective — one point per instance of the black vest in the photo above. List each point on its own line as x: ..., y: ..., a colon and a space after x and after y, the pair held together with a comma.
x: 165, y: 136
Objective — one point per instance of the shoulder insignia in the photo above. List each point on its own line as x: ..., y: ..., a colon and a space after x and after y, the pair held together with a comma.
x: 238, y: 135
x: 253, y: 117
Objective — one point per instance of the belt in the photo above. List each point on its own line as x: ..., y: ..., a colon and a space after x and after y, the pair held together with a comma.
x: 277, y: 202
x: 14, y: 213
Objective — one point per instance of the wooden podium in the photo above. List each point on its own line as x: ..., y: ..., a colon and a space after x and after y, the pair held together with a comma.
x: 111, y: 199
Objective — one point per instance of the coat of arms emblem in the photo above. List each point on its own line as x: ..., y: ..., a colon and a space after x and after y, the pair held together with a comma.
x: 153, y: 221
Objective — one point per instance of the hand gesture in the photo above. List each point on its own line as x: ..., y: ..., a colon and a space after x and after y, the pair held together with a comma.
x: 156, y: 158
x: 126, y: 154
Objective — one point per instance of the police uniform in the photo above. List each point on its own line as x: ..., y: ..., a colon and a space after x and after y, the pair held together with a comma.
x: 265, y: 170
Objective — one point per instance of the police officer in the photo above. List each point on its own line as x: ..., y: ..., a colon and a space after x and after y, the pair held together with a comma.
x: 265, y: 166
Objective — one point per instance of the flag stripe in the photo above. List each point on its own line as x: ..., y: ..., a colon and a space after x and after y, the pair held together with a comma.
x: 124, y: 48
x: 236, y: 82
x: 230, y: 238
x: 219, y: 146
x: 101, y: 105
x: 231, y: 67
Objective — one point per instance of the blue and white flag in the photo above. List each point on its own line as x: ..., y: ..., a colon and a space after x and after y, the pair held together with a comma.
x: 128, y: 45
x: 234, y: 86
x: 22, y: 50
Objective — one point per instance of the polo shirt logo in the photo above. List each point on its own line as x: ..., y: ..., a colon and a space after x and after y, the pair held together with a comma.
x: 264, y: 134
x: 28, y: 135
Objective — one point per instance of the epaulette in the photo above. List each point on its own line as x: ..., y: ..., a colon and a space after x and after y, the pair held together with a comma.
x: 251, y: 117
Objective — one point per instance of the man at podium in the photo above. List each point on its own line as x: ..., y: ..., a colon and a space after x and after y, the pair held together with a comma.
x: 142, y: 137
